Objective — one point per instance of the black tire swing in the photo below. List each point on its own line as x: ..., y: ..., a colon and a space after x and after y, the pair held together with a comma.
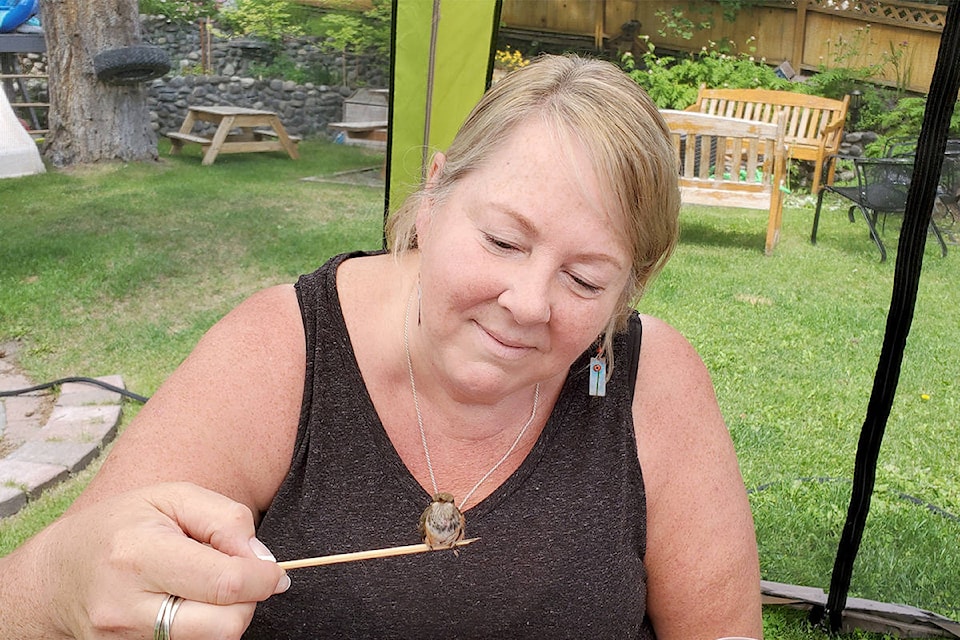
x: 131, y: 65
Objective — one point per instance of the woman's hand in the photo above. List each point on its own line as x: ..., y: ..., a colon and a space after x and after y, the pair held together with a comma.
x: 108, y: 567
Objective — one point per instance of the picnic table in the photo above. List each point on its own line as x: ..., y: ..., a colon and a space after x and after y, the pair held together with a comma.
x: 239, y: 130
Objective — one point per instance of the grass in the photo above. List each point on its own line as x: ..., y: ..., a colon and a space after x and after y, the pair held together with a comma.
x: 120, y: 269
x: 792, y: 342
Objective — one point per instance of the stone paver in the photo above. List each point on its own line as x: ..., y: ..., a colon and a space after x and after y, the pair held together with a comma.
x: 71, y: 456
x: 83, y: 419
x: 81, y: 424
x: 30, y: 477
x: 77, y: 393
x: 11, y: 500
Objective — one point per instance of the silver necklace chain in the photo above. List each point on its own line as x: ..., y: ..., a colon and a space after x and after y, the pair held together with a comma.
x: 423, y: 435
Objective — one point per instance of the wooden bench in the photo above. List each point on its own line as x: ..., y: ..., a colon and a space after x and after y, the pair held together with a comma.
x: 260, y: 134
x: 727, y: 162
x: 178, y: 139
x: 371, y: 133
x: 814, y: 125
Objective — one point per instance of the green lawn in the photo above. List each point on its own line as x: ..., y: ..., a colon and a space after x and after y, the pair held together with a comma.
x: 120, y: 269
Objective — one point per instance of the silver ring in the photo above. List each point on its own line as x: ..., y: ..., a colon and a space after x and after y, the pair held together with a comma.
x: 168, y: 609
x: 160, y: 615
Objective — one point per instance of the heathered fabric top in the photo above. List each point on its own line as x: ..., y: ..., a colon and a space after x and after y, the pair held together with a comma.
x: 561, y: 543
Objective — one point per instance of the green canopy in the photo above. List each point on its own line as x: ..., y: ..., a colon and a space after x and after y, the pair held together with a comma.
x: 441, y: 63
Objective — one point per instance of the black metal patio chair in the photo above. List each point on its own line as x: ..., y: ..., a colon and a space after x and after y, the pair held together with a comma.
x: 948, y: 191
x: 881, y: 189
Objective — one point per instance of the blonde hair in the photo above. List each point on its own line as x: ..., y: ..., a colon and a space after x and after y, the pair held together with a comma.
x: 625, y: 137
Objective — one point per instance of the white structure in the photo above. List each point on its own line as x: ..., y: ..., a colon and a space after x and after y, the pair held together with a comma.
x: 18, y: 152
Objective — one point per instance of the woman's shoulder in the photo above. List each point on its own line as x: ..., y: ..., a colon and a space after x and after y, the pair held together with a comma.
x: 367, y: 266
x: 674, y: 400
x: 665, y: 350
x: 274, y: 308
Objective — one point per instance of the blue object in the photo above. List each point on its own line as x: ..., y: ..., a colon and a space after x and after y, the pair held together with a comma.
x: 17, y: 15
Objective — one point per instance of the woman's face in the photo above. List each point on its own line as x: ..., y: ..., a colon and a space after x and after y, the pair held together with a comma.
x: 520, y: 268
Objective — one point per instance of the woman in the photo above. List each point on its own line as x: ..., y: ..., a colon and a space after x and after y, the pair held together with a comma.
x: 494, y: 356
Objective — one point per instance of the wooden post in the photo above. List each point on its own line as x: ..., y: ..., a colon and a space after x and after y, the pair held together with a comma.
x: 800, y: 35
x: 599, y: 28
x: 206, y: 56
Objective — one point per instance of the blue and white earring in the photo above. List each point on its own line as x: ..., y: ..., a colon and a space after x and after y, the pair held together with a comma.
x: 598, y: 374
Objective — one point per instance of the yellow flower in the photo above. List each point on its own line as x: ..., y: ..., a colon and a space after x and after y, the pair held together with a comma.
x: 510, y: 60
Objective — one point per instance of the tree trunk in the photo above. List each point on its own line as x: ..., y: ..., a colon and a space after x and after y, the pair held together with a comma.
x: 91, y: 121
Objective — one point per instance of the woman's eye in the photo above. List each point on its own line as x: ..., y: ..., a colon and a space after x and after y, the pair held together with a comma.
x: 586, y: 286
x: 499, y: 244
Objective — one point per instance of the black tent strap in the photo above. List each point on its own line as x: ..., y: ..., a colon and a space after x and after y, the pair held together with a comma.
x: 920, y: 200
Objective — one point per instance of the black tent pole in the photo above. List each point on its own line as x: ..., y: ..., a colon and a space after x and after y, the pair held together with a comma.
x: 913, y: 235
x: 494, y: 36
x: 388, y: 161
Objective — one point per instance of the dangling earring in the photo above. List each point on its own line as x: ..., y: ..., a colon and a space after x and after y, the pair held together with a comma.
x: 419, y: 295
x: 598, y: 373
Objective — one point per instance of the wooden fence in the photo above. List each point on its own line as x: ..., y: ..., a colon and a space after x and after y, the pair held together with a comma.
x: 809, y: 34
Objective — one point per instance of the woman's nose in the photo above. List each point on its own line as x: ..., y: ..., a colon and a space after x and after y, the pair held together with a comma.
x: 527, y: 296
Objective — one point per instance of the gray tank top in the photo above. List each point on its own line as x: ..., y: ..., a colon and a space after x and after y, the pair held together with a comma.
x: 561, y: 543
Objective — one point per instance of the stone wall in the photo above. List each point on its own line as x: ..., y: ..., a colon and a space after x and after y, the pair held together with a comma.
x: 305, y: 109
x: 236, y: 78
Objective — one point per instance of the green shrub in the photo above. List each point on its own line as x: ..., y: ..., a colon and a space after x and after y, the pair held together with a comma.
x: 902, y: 118
x: 286, y: 68
x: 269, y: 20
x: 180, y: 11
x: 672, y: 83
x: 349, y: 31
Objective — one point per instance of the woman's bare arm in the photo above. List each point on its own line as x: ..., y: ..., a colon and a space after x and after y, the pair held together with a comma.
x: 703, y: 570
x: 226, y: 419
x: 174, y: 507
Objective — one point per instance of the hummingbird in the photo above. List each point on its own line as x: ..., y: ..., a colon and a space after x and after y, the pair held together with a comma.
x: 441, y: 524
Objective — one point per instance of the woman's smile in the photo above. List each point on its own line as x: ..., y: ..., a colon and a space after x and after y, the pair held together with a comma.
x: 503, y: 346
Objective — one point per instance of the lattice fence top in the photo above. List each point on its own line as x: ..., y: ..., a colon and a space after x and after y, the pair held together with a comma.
x: 901, y: 13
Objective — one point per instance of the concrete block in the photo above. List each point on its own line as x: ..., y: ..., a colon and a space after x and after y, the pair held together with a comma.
x: 24, y: 408
x: 73, y: 456
x: 11, y: 500
x: 92, y: 423
x: 33, y: 477
x: 12, y: 380
x: 84, y: 393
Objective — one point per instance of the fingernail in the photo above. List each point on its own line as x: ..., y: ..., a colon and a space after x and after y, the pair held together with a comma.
x: 261, y: 551
x: 283, y: 584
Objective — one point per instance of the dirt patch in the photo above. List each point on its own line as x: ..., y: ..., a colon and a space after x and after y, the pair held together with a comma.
x: 30, y: 409
x: 6, y: 446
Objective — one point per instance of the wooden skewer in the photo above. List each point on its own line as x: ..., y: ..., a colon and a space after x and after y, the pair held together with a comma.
x: 364, y: 555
